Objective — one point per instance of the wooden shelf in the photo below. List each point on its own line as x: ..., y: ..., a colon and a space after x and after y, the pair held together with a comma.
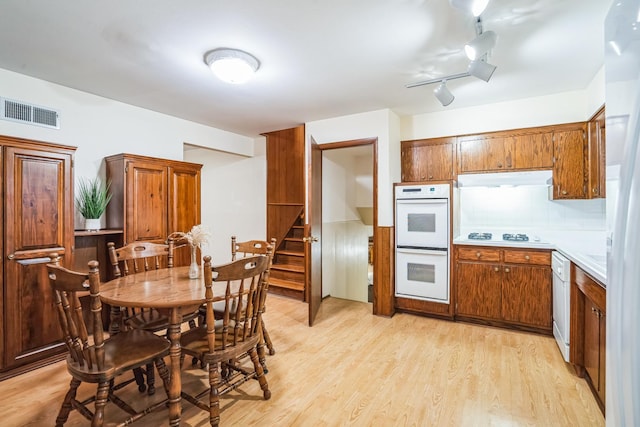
x: 102, y: 232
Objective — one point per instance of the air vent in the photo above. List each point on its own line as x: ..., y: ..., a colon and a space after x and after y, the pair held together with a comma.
x: 18, y: 111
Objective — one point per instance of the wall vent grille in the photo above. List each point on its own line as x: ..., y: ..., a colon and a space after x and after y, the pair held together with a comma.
x: 22, y: 112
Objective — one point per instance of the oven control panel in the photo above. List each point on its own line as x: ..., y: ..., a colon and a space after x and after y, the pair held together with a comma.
x: 435, y: 191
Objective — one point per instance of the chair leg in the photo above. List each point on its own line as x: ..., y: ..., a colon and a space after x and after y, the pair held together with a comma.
x: 139, y: 376
x: 101, y: 401
x: 151, y: 380
x: 267, y: 340
x: 214, y: 398
x: 260, y: 374
x: 164, y: 373
x: 65, y: 409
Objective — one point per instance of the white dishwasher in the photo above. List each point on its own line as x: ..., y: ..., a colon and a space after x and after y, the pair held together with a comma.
x: 561, y: 299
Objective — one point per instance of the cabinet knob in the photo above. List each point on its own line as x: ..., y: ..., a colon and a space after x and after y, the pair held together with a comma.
x: 527, y: 257
x: 595, y: 191
x: 499, y: 164
x: 422, y: 178
x: 11, y: 256
x: 496, y: 268
x: 430, y: 176
x: 564, y: 192
x: 507, y: 269
x: 478, y: 254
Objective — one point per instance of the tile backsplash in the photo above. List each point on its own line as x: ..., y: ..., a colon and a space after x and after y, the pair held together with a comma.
x: 527, y: 207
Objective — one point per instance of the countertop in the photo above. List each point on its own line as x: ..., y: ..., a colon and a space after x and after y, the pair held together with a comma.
x: 588, y: 256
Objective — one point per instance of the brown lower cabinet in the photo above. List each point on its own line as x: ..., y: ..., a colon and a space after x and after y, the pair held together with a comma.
x: 504, y: 286
x: 588, y: 331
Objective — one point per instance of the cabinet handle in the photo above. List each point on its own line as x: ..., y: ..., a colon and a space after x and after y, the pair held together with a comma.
x: 496, y: 268
x: 527, y: 257
x: 507, y: 269
x: 11, y: 256
x: 478, y: 254
x: 499, y: 164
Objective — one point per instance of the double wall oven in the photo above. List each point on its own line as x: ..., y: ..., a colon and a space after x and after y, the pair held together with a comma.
x: 422, y: 241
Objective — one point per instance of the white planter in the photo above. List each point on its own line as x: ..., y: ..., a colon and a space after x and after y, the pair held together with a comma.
x: 92, y: 224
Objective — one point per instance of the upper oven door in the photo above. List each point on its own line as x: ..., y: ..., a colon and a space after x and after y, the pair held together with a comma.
x: 422, y: 223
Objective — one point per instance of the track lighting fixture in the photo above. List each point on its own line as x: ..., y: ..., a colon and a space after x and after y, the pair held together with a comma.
x: 443, y: 94
x: 481, y: 69
x: 481, y: 45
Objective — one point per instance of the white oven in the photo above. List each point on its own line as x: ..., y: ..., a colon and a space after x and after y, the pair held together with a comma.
x: 422, y: 242
x: 422, y: 274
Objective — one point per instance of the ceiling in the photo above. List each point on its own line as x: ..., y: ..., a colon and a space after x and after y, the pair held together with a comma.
x: 319, y: 58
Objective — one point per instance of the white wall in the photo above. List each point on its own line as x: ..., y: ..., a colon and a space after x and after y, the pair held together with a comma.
x: 101, y: 127
x: 233, y: 197
x: 381, y: 124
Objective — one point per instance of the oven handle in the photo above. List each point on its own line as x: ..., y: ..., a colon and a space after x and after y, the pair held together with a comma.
x: 421, y: 251
x: 421, y: 201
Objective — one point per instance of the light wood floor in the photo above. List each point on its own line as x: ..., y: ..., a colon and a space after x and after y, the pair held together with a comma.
x: 356, y: 369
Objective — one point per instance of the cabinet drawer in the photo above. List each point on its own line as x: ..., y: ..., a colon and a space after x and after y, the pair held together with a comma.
x: 527, y: 257
x: 479, y: 254
x: 591, y: 288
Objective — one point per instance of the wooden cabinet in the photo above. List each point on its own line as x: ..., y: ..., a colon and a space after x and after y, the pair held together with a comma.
x: 570, y: 168
x: 427, y: 159
x: 485, y: 153
x: 523, y: 149
x: 597, y: 156
x: 152, y: 198
x: 37, y: 181
x: 509, y: 286
x: 588, y: 331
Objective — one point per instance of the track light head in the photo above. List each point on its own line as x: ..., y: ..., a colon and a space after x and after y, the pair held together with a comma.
x: 481, y: 69
x: 482, y: 44
x: 443, y: 94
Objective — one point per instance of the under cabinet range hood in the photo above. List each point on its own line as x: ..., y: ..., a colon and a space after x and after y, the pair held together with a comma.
x: 505, y: 179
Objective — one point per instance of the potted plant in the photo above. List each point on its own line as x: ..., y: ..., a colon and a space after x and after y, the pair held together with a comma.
x: 92, y: 200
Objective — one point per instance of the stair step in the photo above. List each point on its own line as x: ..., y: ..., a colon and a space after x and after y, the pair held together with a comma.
x: 288, y: 267
x: 288, y: 284
x: 290, y: 253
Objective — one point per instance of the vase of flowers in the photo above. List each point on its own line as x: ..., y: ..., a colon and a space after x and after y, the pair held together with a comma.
x: 196, y: 237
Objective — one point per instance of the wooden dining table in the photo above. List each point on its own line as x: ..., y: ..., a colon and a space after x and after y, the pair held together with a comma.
x: 169, y: 290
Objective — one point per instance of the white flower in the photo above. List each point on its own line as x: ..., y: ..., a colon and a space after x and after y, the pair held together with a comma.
x: 196, y: 237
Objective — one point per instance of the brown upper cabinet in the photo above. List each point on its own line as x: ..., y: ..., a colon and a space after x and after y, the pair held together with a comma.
x: 427, y: 159
x: 152, y: 198
x: 570, y: 168
x: 505, y: 151
x: 597, y: 156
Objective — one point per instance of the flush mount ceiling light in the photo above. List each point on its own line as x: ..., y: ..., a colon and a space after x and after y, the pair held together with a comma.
x: 481, y: 69
x: 231, y: 65
x: 481, y: 45
x: 443, y: 94
x: 474, y: 6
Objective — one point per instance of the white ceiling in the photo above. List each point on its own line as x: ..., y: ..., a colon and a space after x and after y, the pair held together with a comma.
x: 319, y: 58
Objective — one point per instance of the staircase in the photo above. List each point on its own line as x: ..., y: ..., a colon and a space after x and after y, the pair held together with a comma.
x: 287, y: 270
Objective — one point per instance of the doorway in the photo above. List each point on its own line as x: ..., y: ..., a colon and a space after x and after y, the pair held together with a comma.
x: 348, y: 224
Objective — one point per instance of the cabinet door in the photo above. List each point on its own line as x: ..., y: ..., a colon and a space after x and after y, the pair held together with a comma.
x: 480, y: 154
x: 592, y: 342
x: 569, y: 168
x: 478, y: 290
x: 533, y: 151
x: 526, y: 295
x: 597, y: 160
x: 412, y: 167
x: 439, y: 160
x: 38, y: 221
x: 146, y: 201
x: 184, y: 205
x: 602, y: 353
x: 427, y: 160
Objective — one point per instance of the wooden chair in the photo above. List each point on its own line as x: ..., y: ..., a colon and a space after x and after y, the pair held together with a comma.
x: 92, y: 358
x: 256, y: 247
x: 134, y: 258
x: 221, y: 342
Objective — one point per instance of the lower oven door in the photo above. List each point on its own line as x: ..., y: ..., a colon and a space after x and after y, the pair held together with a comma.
x: 422, y: 274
